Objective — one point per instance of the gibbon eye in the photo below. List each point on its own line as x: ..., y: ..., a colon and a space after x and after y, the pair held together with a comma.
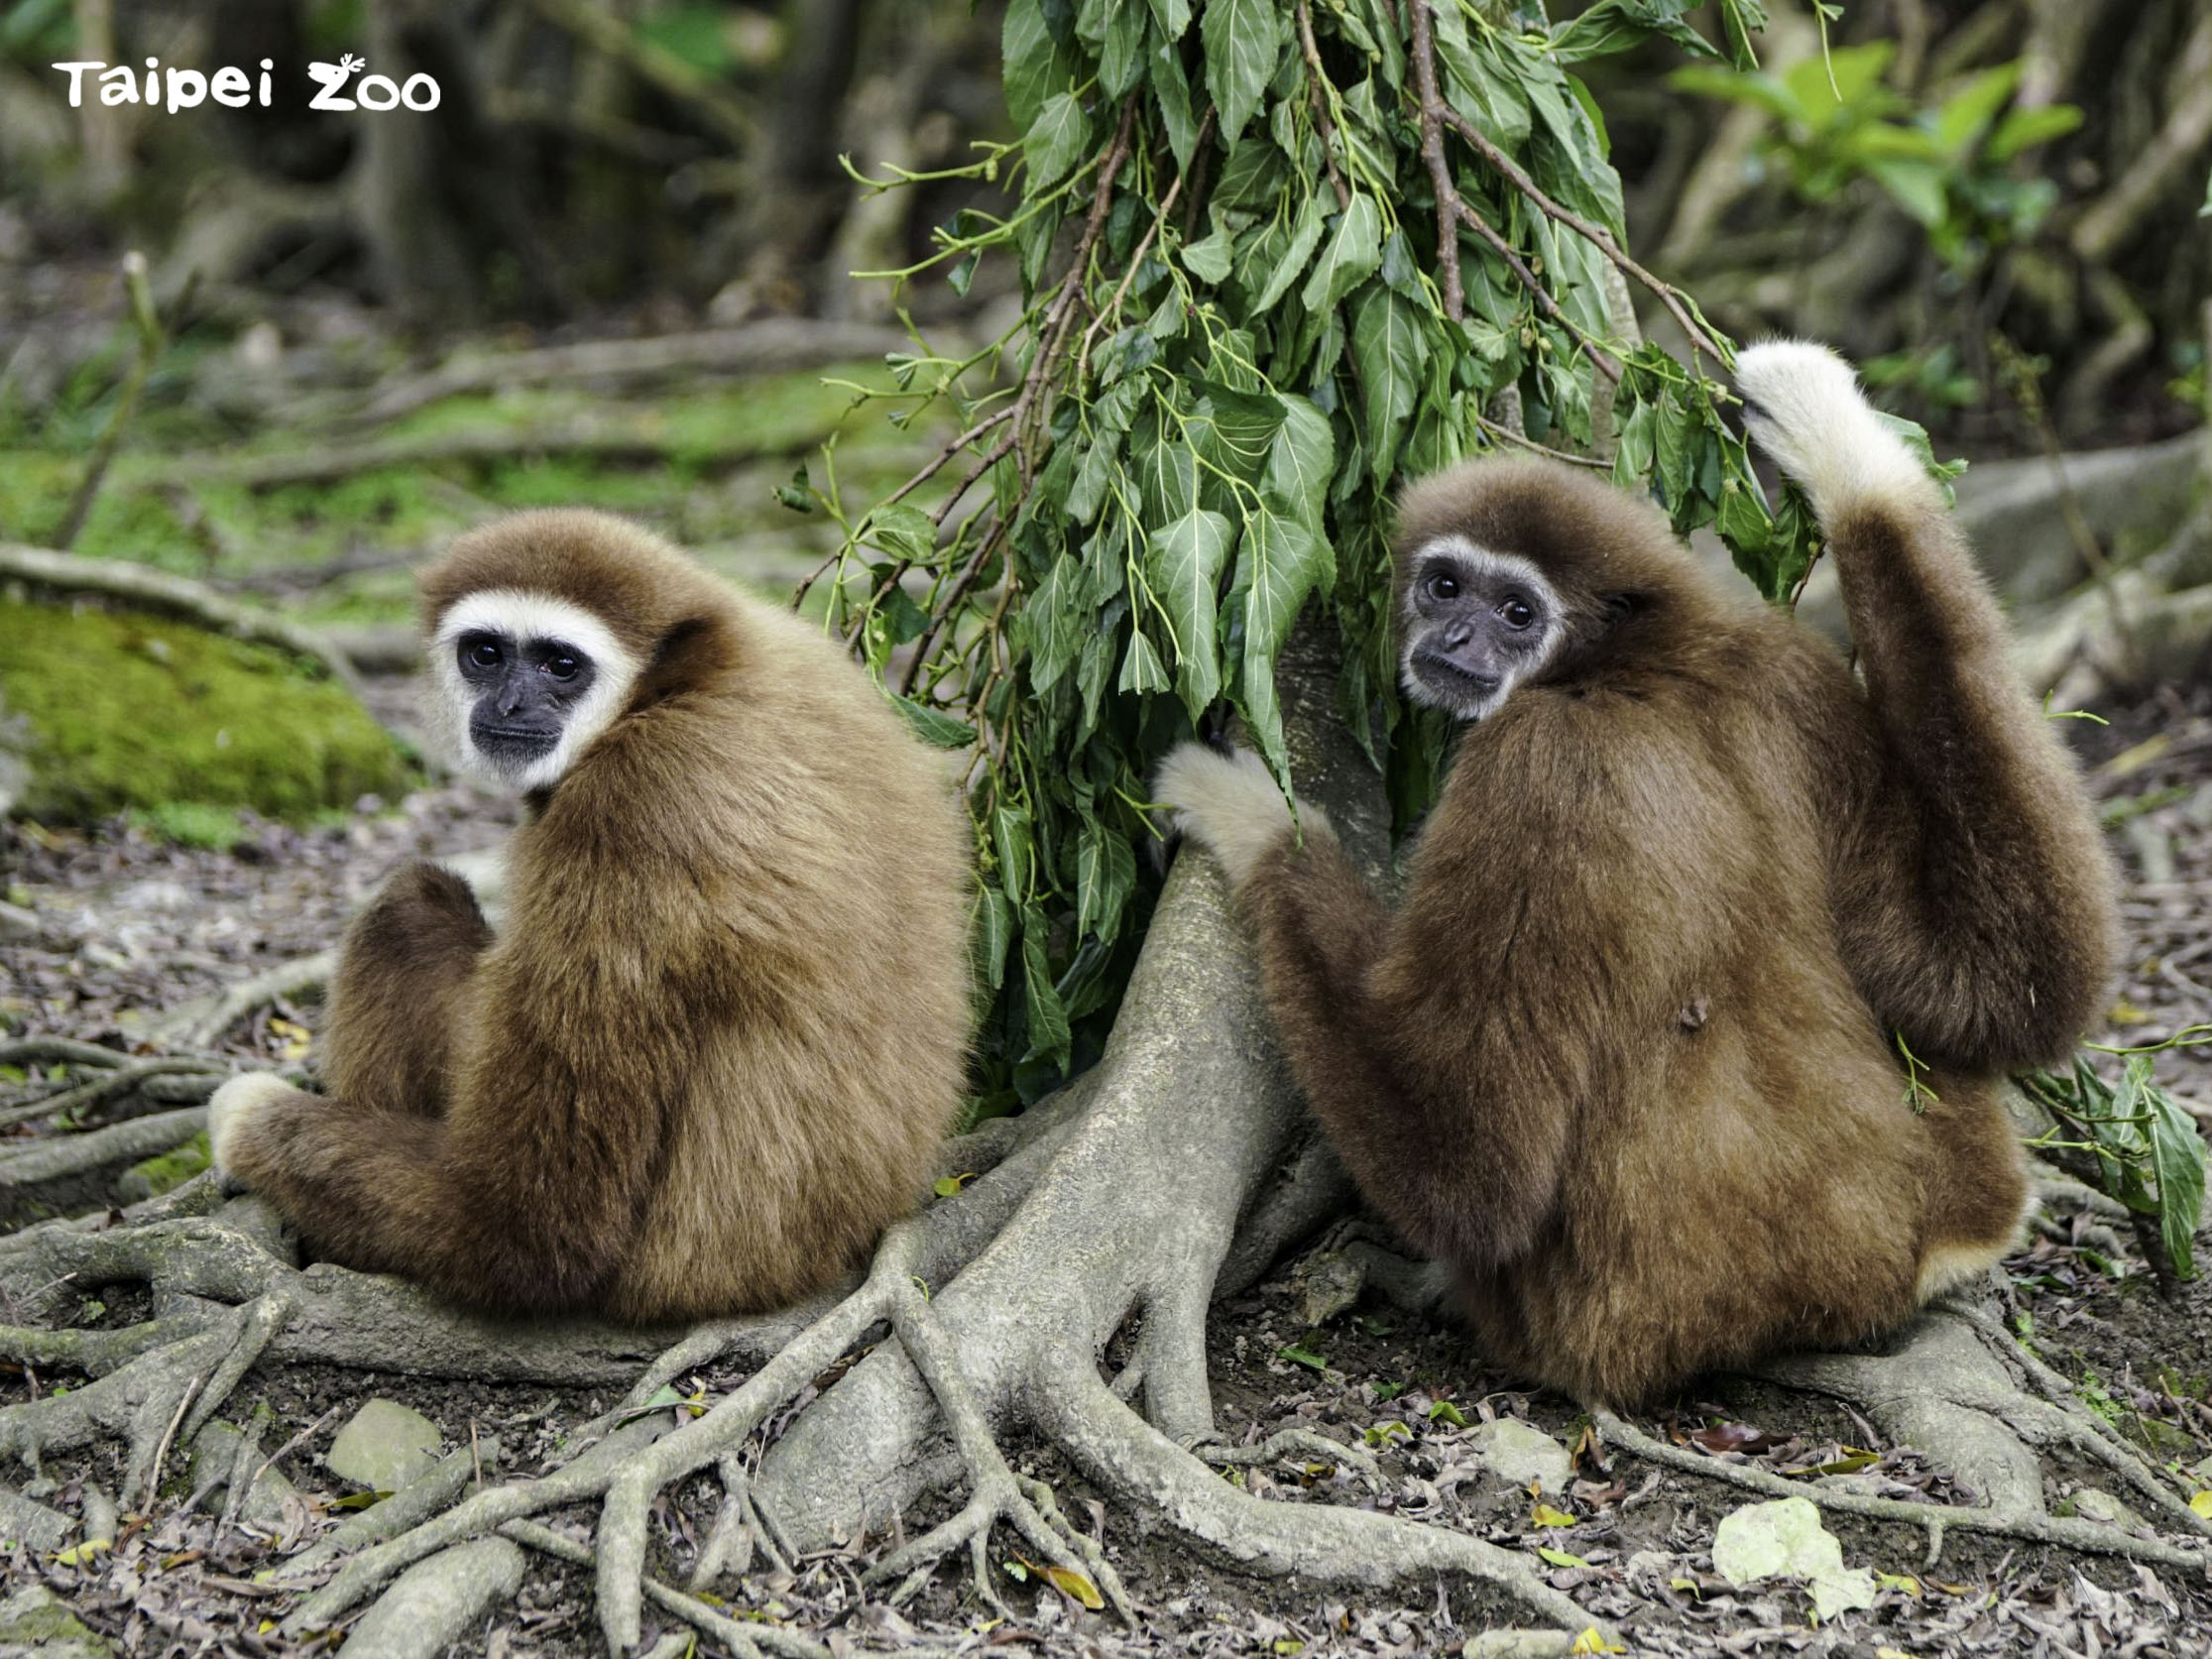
x: 1443, y: 586
x: 562, y: 666
x: 1517, y: 611
x: 484, y: 654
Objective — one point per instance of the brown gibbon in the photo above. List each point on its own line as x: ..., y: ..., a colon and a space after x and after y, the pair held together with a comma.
x: 709, y: 1054
x: 1629, y: 1058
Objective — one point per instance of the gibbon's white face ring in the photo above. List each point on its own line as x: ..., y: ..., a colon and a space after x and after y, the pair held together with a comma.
x: 522, y: 617
x: 1504, y: 569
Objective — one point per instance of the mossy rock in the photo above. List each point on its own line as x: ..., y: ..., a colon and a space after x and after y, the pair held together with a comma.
x: 113, y: 711
x: 168, y: 1171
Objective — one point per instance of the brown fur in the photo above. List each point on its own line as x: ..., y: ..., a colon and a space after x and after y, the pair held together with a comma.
x: 710, y: 1054
x: 1622, y: 1058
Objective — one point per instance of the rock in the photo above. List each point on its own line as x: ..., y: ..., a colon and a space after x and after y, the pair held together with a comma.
x: 1784, y: 1539
x: 108, y: 711
x: 434, y: 1602
x: 1521, y: 1454
x: 2133, y: 500
x: 35, y: 1623
x: 164, y: 1171
x: 384, y: 1447
x: 213, y: 1454
x: 18, y: 926
x: 25, y: 1522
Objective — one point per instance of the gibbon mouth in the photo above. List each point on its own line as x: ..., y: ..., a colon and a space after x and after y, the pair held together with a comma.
x: 1436, y: 664
x: 513, y: 740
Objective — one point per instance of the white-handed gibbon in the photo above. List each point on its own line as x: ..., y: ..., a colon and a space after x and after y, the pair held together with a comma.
x: 1627, y: 1057
x: 709, y: 1054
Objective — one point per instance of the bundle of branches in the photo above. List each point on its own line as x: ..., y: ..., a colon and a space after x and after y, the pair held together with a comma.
x: 1270, y: 261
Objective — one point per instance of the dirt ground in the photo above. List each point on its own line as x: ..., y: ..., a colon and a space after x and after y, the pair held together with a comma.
x: 131, y: 928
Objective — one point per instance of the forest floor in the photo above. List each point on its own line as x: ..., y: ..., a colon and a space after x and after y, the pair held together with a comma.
x: 132, y: 927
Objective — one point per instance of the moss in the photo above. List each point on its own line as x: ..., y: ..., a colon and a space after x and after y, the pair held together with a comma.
x: 124, y: 712
x: 156, y: 1176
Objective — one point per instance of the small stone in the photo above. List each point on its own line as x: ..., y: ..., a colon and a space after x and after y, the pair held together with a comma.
x: 35, y: 1623
x: 25, y: 1522
x: 18, y: 926
x: 1521, y: 1454
x: 435, y: 1603
x: 384, y: 1447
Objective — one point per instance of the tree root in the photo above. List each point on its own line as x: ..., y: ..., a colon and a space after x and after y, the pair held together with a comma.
x: 2028, y: 1525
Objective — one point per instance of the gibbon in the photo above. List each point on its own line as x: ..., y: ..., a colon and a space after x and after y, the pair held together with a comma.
x: 1629, y: 1059
x: 709, y: 1054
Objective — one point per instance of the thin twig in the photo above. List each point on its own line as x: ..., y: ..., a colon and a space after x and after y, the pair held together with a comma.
x: 1700, y: 334
x: 1319, y: 103
x: 1432, y: 152
x: 1539, y: 293
x: 152, y: 340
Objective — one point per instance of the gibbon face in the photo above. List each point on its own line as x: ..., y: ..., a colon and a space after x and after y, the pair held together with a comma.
x: 1475, y: 623
x: 522, y: 681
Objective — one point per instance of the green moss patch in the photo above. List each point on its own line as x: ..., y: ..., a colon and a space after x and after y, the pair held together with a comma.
x: 122, y: 712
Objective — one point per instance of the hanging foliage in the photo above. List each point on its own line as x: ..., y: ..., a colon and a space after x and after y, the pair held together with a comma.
x: 1274, y: 256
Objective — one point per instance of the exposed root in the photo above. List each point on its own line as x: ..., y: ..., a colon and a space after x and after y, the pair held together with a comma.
x: 1294, y: 1446
x: 2088, y: 1537
x: 1324, y: 1542
x: 740, y: 1637
x: 997, y: 1494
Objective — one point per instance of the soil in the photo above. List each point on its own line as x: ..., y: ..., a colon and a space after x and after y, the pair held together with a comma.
x: 132, y: 928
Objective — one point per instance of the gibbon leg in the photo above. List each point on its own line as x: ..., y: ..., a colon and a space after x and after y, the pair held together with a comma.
x: 387, y: 1040
x: 1975, y: 896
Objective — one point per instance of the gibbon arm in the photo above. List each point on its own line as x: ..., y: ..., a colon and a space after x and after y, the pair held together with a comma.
x: 403, y: 973
x: 1450, y: 1142
x: 1973, y: 895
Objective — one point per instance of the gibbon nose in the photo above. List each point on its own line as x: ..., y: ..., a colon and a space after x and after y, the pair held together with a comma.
x: 1457, y: 634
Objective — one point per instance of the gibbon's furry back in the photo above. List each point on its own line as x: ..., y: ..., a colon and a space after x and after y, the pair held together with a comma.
x: 1626, y: 1057
x: 711, y: 1052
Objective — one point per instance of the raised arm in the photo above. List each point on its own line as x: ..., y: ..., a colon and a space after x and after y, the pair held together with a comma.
x: 1973, y: 895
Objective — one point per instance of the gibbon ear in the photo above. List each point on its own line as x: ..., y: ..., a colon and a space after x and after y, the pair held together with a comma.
x: 688, y: 654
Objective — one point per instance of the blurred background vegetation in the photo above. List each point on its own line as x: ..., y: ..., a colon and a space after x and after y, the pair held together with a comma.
x: 1992, y: 203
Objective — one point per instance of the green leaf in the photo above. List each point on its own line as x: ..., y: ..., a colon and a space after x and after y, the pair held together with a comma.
x: 1035, y: 64
x: 1301, y: 458
x: 1048, y: 1017
x: 1173, y: 17
x: 1054, y: 142
x: 1105, y: 876
x: 2177, y: 1159
x: 1011, y: 839
x: 1305, y: 236
x: 2024, y: 129
x: 1966, y: 114
x: 1121, y: 52
x: 1349, y: 257
x: 1171, y: 91
x: 1388, y: 348
x: 1613, y: 26
x: 902, y: 532
x: 1301, y: 1357
x: 1559, y: 1557
x: 1142, y: 673
x: 1209, y: 257
x: 1242, y: 39
x: 934, y: 726
x: 1185, y: 561
x: 994, y: 931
